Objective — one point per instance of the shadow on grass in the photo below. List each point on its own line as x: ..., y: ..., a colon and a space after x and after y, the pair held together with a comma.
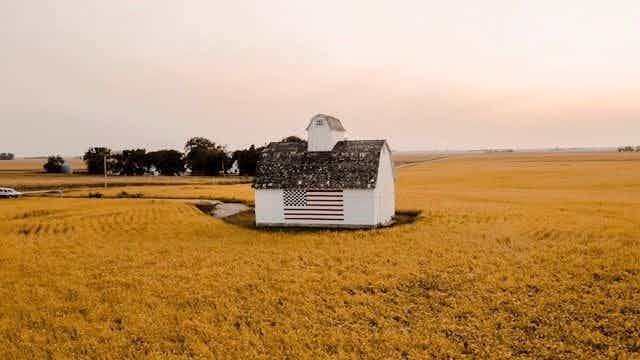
x: 247, y: 220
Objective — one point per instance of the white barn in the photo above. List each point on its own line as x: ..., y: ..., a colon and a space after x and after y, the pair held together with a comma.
x: 327, y: 182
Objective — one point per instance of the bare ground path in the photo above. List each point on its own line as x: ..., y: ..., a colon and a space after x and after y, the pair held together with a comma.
x: 410, y: 164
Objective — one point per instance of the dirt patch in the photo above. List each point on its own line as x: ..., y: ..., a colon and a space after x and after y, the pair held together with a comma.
x: 247, y: 219
x: 405, y: 217
x: 221, y: 210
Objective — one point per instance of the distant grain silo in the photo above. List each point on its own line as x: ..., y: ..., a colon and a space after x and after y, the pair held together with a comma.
x: 66, y: 168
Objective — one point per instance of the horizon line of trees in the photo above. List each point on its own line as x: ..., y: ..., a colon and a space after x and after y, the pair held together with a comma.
x: 629, y: 149
x: 201, y: 156
x: 7, y: 156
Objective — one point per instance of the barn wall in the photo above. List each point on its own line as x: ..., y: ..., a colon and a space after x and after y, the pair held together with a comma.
x: 269, y: 206
x: 385, y: 188
x: 359, y: 210
x: 359, y: 207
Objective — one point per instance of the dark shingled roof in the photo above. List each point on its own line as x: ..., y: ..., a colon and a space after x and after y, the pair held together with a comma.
x: 350, y: 165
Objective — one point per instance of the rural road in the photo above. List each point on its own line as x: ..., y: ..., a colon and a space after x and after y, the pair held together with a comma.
x: 410, y: 164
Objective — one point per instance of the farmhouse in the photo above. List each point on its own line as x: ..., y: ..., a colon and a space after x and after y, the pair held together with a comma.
x: 327, y: 181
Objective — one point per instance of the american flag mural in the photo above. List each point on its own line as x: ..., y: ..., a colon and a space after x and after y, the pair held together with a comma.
x: 314, y: 205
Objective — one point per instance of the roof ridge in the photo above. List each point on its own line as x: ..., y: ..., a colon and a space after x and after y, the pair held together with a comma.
x: 333, y: 122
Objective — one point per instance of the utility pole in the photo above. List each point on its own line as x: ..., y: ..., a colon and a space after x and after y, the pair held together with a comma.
x: 105, y: 171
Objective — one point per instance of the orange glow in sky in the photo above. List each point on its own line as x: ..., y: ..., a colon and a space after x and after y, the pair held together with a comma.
x: 423, y: 74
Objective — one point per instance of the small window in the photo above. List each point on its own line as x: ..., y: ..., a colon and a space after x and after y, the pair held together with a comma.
x: 319, y: 122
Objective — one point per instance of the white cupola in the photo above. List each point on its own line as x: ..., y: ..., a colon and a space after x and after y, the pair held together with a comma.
x: 324, y: 132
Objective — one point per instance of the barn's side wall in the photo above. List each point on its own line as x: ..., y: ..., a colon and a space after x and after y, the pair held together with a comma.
x: 385, y: 188
x: 269, y: 206
x: 359, y: 207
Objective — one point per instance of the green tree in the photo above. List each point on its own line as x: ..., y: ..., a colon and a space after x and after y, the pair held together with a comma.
x: 626, y: 149
x: 54, y: 164
x: 130, y: 162
x: 167, y: 162
x: 7, y: 156
x: 205, y: 157
x: 294, y: 138
x: 94, y: 158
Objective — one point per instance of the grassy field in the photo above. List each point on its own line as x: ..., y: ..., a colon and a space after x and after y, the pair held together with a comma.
x: 34, y: 165
x: 27, y: 174
x: 240, y: 192
x: 516, y: 255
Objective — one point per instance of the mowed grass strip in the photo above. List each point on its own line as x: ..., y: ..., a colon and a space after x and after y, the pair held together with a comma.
x: 231, y: 192
x: 504, y: 262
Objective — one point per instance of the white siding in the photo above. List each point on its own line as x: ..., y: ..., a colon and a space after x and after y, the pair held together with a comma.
x: 322, y: 138
x: 359, y: 207
x: 385, y: 188
x: 269, y: 207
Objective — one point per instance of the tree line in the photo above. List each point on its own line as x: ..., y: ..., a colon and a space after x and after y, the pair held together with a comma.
x: 629, y: 149
x: 201, y: 156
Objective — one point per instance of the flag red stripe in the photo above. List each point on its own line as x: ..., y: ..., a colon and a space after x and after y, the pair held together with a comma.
x: 314, y: 209
x: 328, y: 205
x: 310, y: 218
x: 324, y: 191
x: 320, y: 214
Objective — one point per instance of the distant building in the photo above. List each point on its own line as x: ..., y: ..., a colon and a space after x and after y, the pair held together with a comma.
x: 234, y: 169
x: 152, y: 171
x: 331, y: 182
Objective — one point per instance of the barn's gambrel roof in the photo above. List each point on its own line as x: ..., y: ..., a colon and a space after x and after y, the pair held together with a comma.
x: 350, y: 165
x: 334, y: 123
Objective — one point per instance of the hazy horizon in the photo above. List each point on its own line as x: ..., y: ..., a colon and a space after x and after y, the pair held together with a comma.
x: 423, y: 75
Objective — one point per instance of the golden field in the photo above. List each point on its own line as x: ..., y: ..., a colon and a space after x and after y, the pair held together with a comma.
x: 515, y: 255
x: 35, y: 165
x: 27, y: 174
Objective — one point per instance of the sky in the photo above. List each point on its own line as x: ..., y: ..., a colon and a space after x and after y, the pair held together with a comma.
x: 424, y: 75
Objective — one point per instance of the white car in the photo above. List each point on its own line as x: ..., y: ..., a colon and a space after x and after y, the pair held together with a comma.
x: 9, y: 193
